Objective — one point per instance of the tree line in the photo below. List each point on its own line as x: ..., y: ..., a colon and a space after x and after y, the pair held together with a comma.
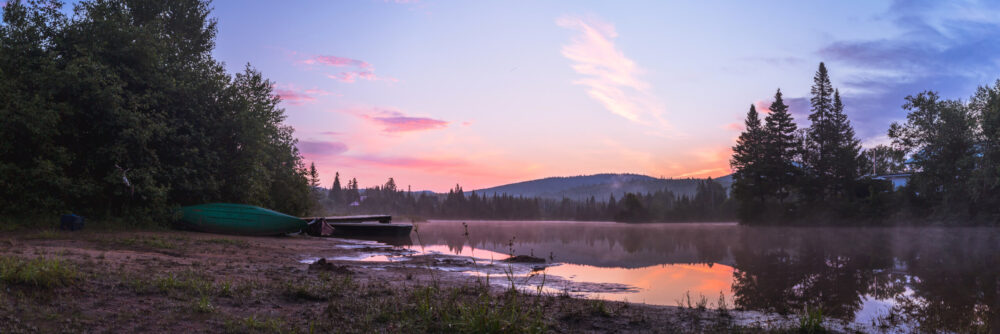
x: 119, y: 110
x: 948, y: 151
x: 710, y: 203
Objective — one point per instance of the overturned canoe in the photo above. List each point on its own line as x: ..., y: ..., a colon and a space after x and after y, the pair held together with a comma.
x: 239, y: 219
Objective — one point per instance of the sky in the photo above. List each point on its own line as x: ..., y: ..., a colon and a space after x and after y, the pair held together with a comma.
x: 485, y: 93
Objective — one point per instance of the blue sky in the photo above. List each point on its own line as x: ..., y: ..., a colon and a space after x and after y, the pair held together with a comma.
x: 483, y: 93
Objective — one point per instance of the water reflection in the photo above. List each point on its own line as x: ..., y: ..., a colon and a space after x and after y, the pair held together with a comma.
x: 936, y: 278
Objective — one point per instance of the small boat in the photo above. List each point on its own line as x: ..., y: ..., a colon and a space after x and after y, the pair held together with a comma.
x: 239, y: 219
x: 353, y: 226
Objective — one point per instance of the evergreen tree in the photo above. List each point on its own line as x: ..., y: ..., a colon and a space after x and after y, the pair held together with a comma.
x: 846, y: 148
x: 823, y: 137
x: 748, y: 176
x: 336, y: 193
x: 313, y: 175
x: 781, y: 149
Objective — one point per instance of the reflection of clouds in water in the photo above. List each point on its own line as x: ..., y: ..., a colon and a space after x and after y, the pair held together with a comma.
x: 950, y: 273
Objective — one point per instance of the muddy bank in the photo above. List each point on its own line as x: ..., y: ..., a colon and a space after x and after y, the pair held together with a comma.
x: 195, y: 282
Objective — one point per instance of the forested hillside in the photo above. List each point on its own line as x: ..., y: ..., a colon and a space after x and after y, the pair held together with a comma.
x: 581, y: 188
x: 120, y: 110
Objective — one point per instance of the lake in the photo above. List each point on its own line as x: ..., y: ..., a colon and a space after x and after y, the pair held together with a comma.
x: 931, y: 278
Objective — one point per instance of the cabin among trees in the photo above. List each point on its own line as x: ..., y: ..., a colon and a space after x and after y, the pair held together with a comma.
x: 943, y: 164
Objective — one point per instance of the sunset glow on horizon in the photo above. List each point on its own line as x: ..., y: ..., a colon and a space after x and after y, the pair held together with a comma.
x: 438, y: 93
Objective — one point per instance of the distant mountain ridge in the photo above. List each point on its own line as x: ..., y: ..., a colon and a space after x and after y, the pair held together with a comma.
x: 598, y: 185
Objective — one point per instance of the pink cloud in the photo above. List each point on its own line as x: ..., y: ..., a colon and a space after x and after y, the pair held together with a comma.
x: 393, y: 121
x: 735, y: 126
x: 352, y: 76
x: 337, y: 62
x: 321, y: 148
x: 355, y: 69
x: 407, y: 124
x: 293, y: 97
x: 296, y: 97
x: 611, y: 78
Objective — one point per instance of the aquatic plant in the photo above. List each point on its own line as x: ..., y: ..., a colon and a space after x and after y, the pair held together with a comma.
x: 811, y: 321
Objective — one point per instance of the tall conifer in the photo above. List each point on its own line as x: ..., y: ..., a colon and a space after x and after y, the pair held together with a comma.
x: 823, y: 135
x: 781, y: 148
x: 747, y: 163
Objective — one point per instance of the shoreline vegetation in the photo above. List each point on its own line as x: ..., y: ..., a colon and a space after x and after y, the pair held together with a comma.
x: 196, y: 282
x: 947, y: 152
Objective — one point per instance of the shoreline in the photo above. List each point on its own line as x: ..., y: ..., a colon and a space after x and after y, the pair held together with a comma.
x: 205, y: 282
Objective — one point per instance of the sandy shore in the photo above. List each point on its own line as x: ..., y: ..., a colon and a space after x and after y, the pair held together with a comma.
x: 174, y: 281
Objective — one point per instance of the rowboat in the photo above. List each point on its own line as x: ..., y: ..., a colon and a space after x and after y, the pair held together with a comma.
x: 239, y: 219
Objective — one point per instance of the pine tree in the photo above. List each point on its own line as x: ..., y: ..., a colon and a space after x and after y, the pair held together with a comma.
x: 781, y: 149
x: 313, y: 175
x: 336, y: 192
x: 822, y: 134
x: 747, y: 161
x: 847, y: 148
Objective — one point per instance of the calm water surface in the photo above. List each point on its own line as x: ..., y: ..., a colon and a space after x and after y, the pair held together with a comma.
x: 933, y: 278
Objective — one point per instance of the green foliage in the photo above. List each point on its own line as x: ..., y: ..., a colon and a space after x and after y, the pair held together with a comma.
x: 939, y: 135
x: 811, y: 321
x: 781, y: 149
x: 747, y: 162
x: 38, y: 272
x: 121, y: 111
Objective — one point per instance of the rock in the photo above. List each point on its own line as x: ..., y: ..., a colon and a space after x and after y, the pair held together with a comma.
x: 524, y: 259
x: 322, y: 265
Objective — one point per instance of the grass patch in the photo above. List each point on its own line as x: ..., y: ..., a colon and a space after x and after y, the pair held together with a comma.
x: 184, y: 284
x: 38, y: 272
x: 465, y: 309
x: 204, y: 305
x: 811, y: 321
x: 45, y: 235
x: 253, y: 324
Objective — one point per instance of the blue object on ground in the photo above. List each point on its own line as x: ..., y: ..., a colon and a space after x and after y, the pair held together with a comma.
x: 71, y: 222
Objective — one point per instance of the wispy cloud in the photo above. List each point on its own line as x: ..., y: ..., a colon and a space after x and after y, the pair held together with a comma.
x: 611, y: 78
x: 354, y: 69
x: 395, y: 121
x: 352, y: 76
x: 321, y: 148
x: 337, y: 61
x: 295, y: 96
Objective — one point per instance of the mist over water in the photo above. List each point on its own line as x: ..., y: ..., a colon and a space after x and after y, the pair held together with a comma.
x: 934, y: 278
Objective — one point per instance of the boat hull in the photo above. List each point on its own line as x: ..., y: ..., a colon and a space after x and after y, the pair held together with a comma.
x: 239, y: 219
x: 370, y: 229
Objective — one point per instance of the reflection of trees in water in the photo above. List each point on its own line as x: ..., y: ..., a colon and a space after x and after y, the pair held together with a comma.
x: 954, y: 274
x: 597, y: 244
x: 956, y: 284
x: 782, y: 272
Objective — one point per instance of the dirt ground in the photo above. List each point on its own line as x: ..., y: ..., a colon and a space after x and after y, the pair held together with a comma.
x: 186, y: 282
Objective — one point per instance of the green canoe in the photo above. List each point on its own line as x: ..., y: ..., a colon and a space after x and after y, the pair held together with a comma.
x: 239, y: 219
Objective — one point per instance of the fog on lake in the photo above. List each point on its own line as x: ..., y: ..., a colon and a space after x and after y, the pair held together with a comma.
x: 934, y: 278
